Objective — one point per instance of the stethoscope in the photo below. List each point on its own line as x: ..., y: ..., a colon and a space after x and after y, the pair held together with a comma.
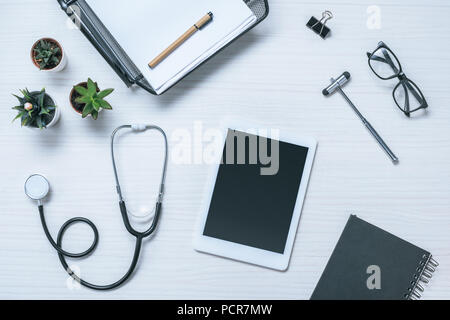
x: 37, y: 188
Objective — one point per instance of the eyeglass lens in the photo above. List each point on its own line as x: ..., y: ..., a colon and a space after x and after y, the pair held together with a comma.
x: 384, y: 63
x: 408, y: 96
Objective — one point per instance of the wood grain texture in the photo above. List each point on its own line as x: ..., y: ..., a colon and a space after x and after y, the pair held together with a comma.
x: 273, y: 75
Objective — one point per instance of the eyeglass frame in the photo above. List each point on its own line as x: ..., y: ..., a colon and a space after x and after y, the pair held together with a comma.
x: 403, y: 80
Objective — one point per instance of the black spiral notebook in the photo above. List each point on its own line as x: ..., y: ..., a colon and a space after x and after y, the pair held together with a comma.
x: 369, y: 263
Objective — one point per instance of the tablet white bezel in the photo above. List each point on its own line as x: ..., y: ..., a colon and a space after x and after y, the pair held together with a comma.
x: 246, y: 253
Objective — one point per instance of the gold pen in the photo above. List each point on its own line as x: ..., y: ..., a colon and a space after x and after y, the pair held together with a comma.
x: 198, y: 26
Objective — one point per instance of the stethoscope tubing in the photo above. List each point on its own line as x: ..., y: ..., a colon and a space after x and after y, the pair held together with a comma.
x: 62, y: 254
x: 166, y: 157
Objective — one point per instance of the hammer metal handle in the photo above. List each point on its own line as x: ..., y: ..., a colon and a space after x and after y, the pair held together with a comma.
x: 371, y: 129
x: 380, y: 141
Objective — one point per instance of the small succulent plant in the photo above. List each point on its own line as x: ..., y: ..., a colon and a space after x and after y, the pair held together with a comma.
x: 36, y: 109
x: 92, y: 99
x: 47, y: 54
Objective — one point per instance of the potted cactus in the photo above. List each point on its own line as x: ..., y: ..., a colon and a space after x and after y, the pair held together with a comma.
x: 87, y: 99
x: 36, y: 109
x: 48, y: 55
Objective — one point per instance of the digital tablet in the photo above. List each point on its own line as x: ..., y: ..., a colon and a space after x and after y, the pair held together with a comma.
x: 255, y: 197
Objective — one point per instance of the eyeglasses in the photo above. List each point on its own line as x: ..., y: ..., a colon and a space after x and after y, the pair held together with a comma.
x: 407, y: 95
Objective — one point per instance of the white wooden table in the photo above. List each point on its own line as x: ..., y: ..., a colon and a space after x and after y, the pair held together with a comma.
x: 273, y: 75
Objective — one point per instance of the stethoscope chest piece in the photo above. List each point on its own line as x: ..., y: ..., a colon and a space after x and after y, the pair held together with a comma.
x: 37, y: 187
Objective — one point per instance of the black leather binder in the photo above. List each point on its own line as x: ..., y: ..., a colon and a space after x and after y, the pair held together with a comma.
x: 91, y: 26
x: 369, y: 263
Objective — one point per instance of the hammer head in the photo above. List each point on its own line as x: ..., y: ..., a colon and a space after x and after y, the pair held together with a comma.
x: 339, y: 82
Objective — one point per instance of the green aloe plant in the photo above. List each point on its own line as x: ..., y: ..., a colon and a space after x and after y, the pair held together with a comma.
x: 36, y: 109
x: 93, y: 101
x: 47, y: 54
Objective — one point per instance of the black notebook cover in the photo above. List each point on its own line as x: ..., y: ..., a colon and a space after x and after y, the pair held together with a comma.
x: 369, y: 263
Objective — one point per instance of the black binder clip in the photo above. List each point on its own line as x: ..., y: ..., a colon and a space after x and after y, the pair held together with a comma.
x: 319, y: 26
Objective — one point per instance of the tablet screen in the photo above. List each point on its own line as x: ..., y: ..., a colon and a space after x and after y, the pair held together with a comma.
x: 255, y: 193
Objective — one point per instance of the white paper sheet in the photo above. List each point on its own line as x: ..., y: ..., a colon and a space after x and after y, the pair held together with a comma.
x: 144, y: 28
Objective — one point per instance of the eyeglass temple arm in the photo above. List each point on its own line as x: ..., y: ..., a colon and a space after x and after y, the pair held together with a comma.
x: 373, y: 56
x: 415, y: 93
x: 389, y: 60
x: 405, y: 84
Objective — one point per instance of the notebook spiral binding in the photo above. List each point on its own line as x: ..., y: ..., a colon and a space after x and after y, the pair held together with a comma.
x: 424, y: 273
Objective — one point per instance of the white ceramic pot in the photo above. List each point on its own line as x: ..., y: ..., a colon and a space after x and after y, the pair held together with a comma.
x: 55, y: 117
x: 62, y: 64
